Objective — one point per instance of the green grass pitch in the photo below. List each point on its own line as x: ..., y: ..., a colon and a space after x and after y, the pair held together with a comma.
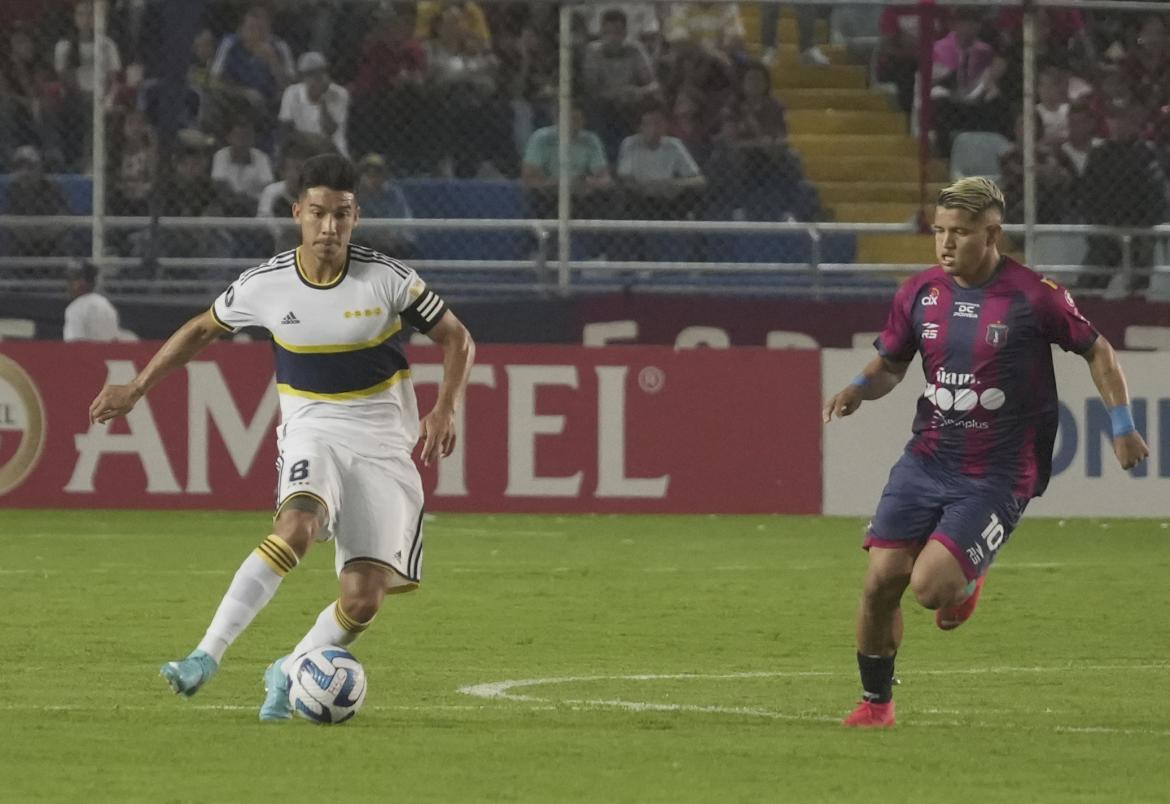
x: 712, y: 659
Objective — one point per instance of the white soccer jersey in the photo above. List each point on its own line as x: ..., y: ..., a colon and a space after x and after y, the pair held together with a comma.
x: 340, y: 368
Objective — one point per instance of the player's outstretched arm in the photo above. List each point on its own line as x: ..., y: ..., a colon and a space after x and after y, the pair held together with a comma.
x: 876, y: 380
x: 1128, y: 444
x: 438, y: 427
x: 191, y: 339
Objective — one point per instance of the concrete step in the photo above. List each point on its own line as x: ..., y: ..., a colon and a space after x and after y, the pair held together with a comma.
x: 838, y: 76
x: 875, y: 212
x: 870, y: 168
x: 857, y: 100
x: 843, y: 192
x: 854, y: 145
x: 787, y: 31
x: 899, y: 249
x: 838, y: 121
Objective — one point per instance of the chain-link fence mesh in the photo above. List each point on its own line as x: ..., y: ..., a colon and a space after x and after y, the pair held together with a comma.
x: 774, y: 113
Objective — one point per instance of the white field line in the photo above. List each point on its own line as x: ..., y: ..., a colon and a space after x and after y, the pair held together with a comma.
x: 508, y: 690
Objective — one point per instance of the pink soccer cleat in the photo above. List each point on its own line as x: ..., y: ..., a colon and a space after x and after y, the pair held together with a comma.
x: 870, y: 715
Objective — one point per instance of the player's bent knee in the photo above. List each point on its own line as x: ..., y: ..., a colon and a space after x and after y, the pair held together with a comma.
x: 362, y: 606
x: 935, y: 593
x: 884, y: 588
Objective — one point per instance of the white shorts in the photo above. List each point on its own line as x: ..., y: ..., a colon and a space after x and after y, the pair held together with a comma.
x: 374, y: 505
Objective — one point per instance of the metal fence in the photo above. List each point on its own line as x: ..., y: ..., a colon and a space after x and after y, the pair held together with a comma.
x: 736, y: 147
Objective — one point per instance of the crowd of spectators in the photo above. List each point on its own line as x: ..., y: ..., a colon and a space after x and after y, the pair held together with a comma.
x: 674, y: 116
x: 1102, y: 113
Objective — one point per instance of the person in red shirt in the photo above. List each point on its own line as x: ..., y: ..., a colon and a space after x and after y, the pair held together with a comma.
x: 389, y: 86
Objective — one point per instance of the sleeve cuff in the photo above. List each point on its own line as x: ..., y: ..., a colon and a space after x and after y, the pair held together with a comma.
x: 215, y: 317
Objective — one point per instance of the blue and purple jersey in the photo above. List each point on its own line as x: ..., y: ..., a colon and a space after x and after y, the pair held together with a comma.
x: 989, y: 409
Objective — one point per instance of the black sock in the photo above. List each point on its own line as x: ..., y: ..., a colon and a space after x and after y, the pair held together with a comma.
x: 877, y: 674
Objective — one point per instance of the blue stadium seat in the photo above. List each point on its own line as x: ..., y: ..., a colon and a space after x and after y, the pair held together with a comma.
x: 783, y: 247
x: 78, y: 191
x: 468, y: 198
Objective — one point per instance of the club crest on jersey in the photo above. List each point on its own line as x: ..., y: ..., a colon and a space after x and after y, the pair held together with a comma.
x: 997, y: 334
x: 931, y: 300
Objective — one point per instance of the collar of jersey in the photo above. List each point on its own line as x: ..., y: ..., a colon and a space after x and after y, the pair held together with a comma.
x: 999, y: 266
x: 318, y: 286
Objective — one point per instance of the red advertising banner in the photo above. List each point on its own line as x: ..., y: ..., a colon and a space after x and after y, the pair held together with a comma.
x: 544, y: 429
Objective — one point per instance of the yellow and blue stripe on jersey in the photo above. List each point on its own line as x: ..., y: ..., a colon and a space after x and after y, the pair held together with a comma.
x: 341, y: 371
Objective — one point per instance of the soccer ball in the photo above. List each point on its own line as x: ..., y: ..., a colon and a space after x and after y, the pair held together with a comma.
x: 327, y: 685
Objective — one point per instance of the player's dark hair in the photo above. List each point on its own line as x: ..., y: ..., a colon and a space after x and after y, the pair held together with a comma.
x: 614, y: 15
x: 327, y: 170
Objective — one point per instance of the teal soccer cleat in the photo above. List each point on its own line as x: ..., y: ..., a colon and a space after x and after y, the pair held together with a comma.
x: 186, y: 676
x: 276, y: 705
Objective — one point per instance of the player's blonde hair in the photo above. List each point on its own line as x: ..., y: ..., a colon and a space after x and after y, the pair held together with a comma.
x: 974, y: 194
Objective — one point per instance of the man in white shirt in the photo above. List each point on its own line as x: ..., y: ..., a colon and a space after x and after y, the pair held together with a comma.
x: 316, y: 109
x: 241, y: 172
x: 90, y: 316
x: 658, y: 173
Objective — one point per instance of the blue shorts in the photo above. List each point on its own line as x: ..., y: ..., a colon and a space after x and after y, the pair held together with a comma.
x: 971, y: 517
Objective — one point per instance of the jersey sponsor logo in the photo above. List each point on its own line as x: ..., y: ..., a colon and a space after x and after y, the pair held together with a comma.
x: 966, y: 310
x: 291, y: 318
x: 931, y: 299
x: 944, y: 377
x: 230, y: 296
x: 22, y: 422
x: 929, y: 331
x: 997, y: 334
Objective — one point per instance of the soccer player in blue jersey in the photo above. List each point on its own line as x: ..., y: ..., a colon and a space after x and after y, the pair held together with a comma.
x: 984, y: 430
x: 349, y: 421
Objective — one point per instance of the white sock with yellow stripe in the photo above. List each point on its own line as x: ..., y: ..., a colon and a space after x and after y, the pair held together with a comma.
x: 255, y: 583
x: 333, y: 627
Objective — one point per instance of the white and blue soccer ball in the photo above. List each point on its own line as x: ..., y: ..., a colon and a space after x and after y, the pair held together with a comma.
x: 327, y: 685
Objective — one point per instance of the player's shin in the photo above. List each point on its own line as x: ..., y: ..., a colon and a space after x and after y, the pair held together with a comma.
x: 333, y: 627
x: 254, y: 584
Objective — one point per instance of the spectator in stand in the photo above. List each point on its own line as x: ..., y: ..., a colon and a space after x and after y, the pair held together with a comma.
x: 752, y: 166
x: 389, y: 86
x: 641, y: 21
x: 89, y: 316
x: 1073, y: 155
x: 619, y: 79
x: 1123, y: 186
x: 1146, y: 67
x: 1052, y: 104
x: 528, y: 77
x: 134, y: 157
x: 199, y: 79
x: 473, y: 123
x: 251, y: 69
x: 658, y: 174
x: 379, y: 196
x: 686, y: 123
x: 965, y: 90
x: 592, y: 184
x: 277, y: 199
x: 1053, y: 181
x: 31, y: 192
x: 897, y: 54
x: 1062, y: 38
x: 73, y: 61
x: 474, y: 20
x: 241, y: 171
x: 314, y: 112
x: 715, y: 28
x: 806, y: 22
x: 191, y: 193
x: 30, y: 98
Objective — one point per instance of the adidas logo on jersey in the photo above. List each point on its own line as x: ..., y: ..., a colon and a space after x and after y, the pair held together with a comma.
x: 291, y: 318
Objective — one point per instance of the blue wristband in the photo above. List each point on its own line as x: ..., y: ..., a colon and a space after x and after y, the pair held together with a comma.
x: 860, y: 381
x: 1121, y: 418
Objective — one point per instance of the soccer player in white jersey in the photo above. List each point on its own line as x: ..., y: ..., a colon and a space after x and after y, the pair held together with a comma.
x: 349, y: 421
